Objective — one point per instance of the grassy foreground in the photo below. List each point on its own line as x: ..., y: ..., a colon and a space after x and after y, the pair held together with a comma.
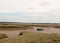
x: 33, y: 37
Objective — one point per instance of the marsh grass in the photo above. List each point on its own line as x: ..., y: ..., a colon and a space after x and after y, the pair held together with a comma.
x: 2, y: 36
x: 33, y: 37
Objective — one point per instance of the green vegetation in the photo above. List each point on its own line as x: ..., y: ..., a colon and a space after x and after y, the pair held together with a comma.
x: 2, y: 36
x: 33, y: 37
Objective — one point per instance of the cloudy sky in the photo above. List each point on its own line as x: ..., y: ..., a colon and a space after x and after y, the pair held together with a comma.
x: 36, y: 11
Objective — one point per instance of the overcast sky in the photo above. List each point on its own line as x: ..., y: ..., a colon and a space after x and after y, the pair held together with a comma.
x: 39, y: 11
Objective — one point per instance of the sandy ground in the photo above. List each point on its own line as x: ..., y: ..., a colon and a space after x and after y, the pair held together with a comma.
x: 16, y: 32
x: 11, y: 33
x: 50, y: 30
